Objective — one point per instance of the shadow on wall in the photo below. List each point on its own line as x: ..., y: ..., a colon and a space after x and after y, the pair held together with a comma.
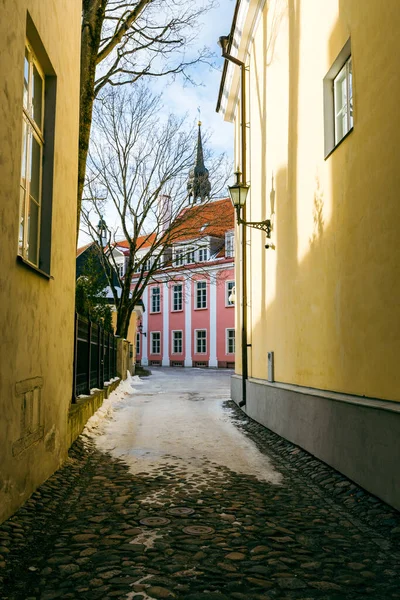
x: 334, y: 320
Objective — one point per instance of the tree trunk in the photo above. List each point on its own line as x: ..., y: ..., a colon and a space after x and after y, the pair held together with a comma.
x: 123, y: 319
x: 92, y: 22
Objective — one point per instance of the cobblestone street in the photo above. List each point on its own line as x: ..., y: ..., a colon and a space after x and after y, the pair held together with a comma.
x: 124, y: 519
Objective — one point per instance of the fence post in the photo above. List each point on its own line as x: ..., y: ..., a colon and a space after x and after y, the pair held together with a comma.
x: 75, y: 366
x: 99, y: 330
x: 89, y: 353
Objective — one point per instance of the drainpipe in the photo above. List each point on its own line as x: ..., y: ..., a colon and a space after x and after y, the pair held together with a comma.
x: 223, y: 42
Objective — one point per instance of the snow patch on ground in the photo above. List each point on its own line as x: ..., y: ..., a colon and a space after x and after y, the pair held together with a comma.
x: 177, y: 424
x: 125, y: 388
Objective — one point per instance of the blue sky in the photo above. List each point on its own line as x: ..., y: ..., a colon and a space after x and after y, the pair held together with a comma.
x: 180, y: 100
x: 184, y: 100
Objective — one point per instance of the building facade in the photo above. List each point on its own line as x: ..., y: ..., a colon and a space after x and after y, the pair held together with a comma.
x: 321, y: 162
x: 189, y: 316
x: 39, y: 110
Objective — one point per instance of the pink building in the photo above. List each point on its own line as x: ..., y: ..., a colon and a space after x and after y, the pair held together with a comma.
x: 189, y: 316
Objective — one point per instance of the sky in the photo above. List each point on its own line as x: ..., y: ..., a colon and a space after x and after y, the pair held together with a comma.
x: 186, y: 99
x: 181, y: 99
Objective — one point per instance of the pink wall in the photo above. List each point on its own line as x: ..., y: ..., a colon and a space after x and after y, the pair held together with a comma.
x: 200, y: 319
x: 225, y: 315
x: 176, y: 320
x: 155, y: 323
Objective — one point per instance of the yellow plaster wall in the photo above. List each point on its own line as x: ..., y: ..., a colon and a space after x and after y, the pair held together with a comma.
x: 326, y: 301
x: 37, y: 315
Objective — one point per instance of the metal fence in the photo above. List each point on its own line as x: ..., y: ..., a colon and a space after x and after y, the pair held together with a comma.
x: 95, y: 356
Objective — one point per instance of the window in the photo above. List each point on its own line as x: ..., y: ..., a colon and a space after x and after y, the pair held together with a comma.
x: 155, y: 299
x: 203, y: 254
x: 189, y: 255
x: 338, y: 99
x: 230, y: 244
x: 32, y: 159
x: 177, y: 342
x: 121, y: 269
x: 228, y: 291
x: 179, y: 257
x: 201, y: 294
x: 147, y: 264
x: 343, y: 100
x: 177, y: 297
x: 137, y: 343
x: 201, y: 341
x: 230, y: 341
x: 155, y: 342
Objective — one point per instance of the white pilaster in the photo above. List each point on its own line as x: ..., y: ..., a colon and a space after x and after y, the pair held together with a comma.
x: 145, y: 323
x: 187, y: 305
x: 213, y: 362
x: 165, y: 309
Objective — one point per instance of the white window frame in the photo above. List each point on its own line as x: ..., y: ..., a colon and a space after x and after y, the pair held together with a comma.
x: 173, y: 340
x: 203, y: 254
x: 154, y: 340
x: 179, y: 257
x: 228, y: 292
x: 155, y: 299
x: 201, y: 340
x: 177, y: 295
x: 342, y: 67
x: 343, y: 111
x: 203, y: 297
x: 32, y: 132
x: 190, y: 255
x: 230, y: 244
x: 121, y: 269
x: 228, y: 331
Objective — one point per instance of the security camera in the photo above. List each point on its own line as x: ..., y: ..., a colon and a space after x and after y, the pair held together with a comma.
x: 270, y: 245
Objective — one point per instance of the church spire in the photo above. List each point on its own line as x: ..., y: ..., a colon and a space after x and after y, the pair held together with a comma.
x: 199, y: 186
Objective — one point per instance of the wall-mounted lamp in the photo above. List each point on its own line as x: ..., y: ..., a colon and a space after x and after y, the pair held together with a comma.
x: 238, y: 193
x: 140, y: 329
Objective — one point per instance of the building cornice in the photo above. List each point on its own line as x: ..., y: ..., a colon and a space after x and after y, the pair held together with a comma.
x: 245, y: 20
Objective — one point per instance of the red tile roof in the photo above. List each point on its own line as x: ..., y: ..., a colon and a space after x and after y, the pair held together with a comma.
x: 202, y: 220
x: 82, y: 249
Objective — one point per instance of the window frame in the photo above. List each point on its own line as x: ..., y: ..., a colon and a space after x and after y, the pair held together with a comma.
x: 32, y: 131
x: 344, y: 57
x: 203, y: 339
x: 179, y: 257
x: 197, y: 307
x: 230, y: 244
x: 228, y: 292
x: 227, y: 340
x: 152, y: 340
x: 173, y: 309
x: 203, y: 254
x: 153, y: 298
x: 173, y: 340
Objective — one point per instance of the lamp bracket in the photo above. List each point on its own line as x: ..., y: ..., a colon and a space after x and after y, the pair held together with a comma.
x: 262, y: 225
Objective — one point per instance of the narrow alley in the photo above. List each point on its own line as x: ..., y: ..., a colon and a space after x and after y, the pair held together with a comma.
x: 176, y: 494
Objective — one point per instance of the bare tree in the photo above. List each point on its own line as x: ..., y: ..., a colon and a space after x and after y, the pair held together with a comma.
x: 123, y: 41
x: 136, y: 157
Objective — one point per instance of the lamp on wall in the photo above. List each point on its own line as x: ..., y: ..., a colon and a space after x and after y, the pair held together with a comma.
x: 238, y: 193
x: 140, y: 329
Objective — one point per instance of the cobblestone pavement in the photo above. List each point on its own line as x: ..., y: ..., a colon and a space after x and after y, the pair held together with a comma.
x: 96, y: 531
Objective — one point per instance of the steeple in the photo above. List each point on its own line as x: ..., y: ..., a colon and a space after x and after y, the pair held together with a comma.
x: 199, y: 186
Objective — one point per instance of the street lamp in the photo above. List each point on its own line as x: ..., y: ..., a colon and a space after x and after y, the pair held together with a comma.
x: 238, y: 193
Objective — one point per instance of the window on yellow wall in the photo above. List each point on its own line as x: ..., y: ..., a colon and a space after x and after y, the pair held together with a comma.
x: 343, y: 100
x: 38, y: 83
x: 338, y: 100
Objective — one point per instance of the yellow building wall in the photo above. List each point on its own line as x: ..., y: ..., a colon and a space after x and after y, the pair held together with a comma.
x: 37, y: 315
x: 326, y: 300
